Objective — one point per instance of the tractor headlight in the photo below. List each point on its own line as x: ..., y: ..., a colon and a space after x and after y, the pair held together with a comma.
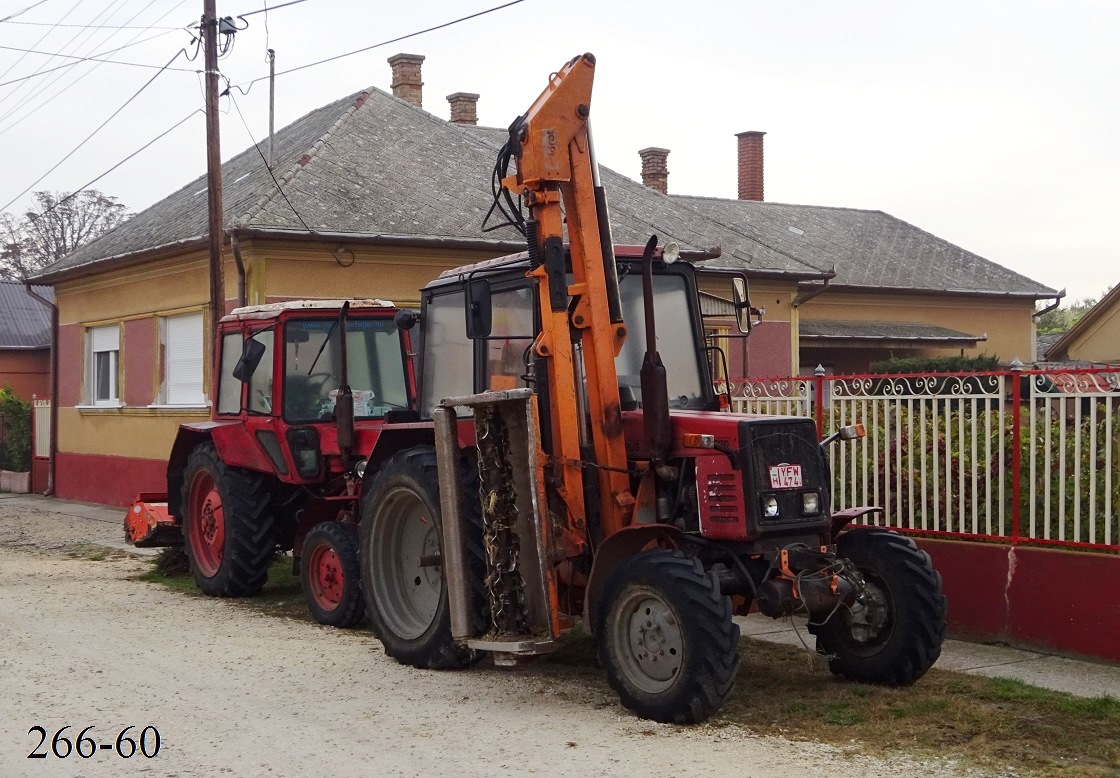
x: 810, y: 503
x: 769, y: 506
x: 360, y: 468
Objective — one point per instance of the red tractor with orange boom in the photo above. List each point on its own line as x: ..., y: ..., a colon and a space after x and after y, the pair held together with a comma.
x: 561, y: 472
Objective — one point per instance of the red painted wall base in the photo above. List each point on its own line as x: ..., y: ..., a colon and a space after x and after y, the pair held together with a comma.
x: 1035, y: 598
x: 107, y: 480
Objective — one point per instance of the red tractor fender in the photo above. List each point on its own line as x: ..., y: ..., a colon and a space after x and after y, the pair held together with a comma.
x: 615, y: 550
x: 187, y: 438
x: 841, y: 519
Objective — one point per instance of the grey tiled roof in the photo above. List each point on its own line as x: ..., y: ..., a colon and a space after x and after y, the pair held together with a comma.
x: 371, y: 164
x: 868, y: 248
x: 880, y: 330
x: 25, y: 323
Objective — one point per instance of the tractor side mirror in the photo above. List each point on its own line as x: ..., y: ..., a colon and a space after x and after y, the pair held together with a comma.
x: 406, y: 319
x: 480, y: 310
x: 742, y: 303
x: 251, y: 357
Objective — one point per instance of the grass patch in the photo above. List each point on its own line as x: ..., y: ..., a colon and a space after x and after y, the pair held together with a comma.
x: 281, y: 595
x: 994, y: 723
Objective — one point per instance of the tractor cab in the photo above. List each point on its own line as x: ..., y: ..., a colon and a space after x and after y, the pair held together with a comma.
x: 290, y: 372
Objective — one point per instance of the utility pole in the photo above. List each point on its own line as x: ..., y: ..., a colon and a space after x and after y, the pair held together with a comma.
x: 271, y: 102
x: 213, y: 172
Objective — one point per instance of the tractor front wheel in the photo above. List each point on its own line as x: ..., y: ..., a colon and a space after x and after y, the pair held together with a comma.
x: 227, y: 525
x: 666, y: 638
x: 895, y: 634
x: 330, y: 575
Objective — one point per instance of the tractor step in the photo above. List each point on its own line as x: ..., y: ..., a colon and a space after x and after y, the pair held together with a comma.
x: 148, y: 524
x: 513, y: 650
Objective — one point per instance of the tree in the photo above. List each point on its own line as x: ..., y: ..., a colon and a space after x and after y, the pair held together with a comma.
x: 56, y: 224
x: 1061, y: 319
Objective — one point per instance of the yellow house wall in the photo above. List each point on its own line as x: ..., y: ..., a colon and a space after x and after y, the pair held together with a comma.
x: 1101, y: 341
x: 775, y: 296
x: 286, y: 269
x: 1007, y: 323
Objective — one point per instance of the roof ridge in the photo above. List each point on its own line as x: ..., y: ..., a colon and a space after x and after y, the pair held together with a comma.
x: 288, y: 175
x: 774, y: 202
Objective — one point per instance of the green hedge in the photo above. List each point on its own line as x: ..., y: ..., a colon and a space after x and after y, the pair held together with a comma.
x: 15, y: 453
x: 979, y: 364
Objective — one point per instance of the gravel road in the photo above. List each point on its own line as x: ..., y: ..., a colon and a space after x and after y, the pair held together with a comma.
x: 238, y: 693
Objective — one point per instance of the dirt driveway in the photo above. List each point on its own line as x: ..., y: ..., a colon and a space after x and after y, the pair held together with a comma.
x: 238, y: 693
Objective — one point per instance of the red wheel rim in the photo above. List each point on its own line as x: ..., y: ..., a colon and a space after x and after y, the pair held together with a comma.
x: 207, y: 532
x: 327, y: 578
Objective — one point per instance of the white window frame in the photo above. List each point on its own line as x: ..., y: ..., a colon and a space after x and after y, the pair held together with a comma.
x: 105, y: 339
x: 183, y: 344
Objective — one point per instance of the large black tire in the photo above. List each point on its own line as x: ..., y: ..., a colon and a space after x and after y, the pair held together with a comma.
x: 666, y: 638
x: 330, y: 575
x: 898, y: 637
x: 401, y: 522
x: 227, y: 525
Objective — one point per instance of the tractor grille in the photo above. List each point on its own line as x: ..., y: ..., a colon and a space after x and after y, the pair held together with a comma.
x: 783, y: 443
x: 721, y: 496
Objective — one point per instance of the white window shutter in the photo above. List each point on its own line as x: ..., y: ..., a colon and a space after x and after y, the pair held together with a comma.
x: 105, y: 338
x: 183, y: 358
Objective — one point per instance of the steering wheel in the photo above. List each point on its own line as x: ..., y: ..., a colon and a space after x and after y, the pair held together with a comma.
x: 318, y: 381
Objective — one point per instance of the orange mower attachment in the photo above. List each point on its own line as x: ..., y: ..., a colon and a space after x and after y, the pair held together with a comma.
x: 148, y: 523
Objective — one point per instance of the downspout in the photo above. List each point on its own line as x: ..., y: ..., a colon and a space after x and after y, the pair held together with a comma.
x: 53, y: 451
x: 240, y: 262
x: 809, y: 294
x: 1057, y: 301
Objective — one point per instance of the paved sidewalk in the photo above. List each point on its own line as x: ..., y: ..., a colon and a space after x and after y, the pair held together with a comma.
x: 1084, y: 678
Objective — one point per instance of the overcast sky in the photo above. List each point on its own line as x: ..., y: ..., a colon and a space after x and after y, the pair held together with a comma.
x: 994, y: 125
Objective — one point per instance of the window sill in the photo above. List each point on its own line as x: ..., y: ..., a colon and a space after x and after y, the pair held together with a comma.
x: 193, y: 411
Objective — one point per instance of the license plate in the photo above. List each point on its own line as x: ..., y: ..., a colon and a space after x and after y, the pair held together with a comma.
x: 785, y: 476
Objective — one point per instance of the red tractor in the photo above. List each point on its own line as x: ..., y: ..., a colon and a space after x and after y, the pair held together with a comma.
x: 303, y: 391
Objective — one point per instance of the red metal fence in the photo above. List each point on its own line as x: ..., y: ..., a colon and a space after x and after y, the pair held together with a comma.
x: 1027, y: 457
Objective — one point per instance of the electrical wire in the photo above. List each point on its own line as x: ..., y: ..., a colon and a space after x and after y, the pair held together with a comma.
x: 268, y: 8
x: 94, y: 180
x: 42, y: 38
x: 97, y: 130
x: 78, y: 60
x: 94, y: 26
x: 376, y: 45
x: 20, y: 13
x: 56, y: 93
x: 272, y: 175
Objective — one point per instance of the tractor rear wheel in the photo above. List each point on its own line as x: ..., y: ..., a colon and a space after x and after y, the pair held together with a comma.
x: 401, y: 550
x: 895, y: 636
x: 666, y: 638
x: 227, y: 525
x: 330, y: 575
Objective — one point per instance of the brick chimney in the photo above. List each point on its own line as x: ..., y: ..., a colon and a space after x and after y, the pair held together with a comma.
x: 406, y: 78
x: 750, y: 165
x: 464, y: 108
x: 655, y: 169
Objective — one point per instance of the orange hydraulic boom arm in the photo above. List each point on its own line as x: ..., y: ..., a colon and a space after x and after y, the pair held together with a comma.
x: 558, y: 178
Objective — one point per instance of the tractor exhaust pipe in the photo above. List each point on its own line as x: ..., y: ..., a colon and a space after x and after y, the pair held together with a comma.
x: 655, y: 385
x: 344, y: 400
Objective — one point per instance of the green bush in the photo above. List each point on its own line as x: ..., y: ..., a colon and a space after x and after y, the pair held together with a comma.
x: 15, y: 454
x: 956, y: 364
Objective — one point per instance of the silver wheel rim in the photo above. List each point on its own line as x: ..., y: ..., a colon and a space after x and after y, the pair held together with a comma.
x: 648, y: 640
x: 406, y: 532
